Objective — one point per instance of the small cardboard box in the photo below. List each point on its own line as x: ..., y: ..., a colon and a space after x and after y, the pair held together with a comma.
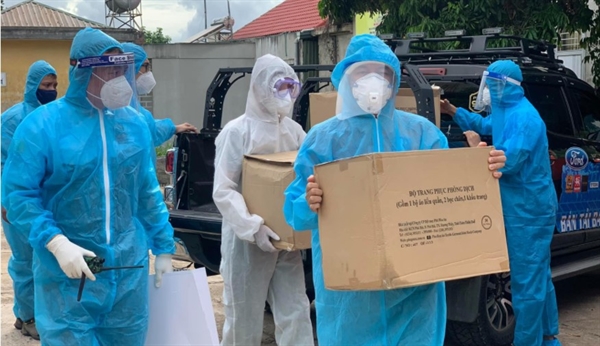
x: 264, y: 180
x: 391, y: 220
x: 322, y: 105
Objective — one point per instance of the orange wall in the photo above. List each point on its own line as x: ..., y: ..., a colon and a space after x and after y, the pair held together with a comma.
x: 18, y: 55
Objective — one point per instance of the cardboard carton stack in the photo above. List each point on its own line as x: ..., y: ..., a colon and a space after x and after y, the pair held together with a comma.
x: 322, y: 105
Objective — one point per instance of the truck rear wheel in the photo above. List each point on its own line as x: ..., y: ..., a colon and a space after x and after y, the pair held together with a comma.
x: 495, y: 323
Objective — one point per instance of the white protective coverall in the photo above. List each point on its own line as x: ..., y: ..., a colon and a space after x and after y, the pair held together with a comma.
x: 251, y: 275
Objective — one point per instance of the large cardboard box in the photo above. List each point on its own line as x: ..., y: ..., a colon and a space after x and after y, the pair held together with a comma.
x: 391, y: 220
x: 322, y: 105
x: 264, y: 180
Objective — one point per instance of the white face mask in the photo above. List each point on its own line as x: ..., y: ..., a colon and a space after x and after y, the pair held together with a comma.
x: 284, y: 106
x: 145, y: 83
x: 372, y: 92
x: 486, y: 98
x: 116, y: 93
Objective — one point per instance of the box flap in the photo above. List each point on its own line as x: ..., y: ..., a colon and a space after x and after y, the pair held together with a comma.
x: 284, y: 157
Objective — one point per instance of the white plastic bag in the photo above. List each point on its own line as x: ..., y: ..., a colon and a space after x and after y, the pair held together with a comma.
x: 181, y: 311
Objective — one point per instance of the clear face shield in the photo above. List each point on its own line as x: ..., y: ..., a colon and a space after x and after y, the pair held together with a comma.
x: 112, y: 81
x: 491, y: 88
x: 366, y: 88
x: 145, y: 81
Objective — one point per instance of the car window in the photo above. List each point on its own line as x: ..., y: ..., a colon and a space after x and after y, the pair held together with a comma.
x: 460, y: 94
x: 550, y: 103
x: 589, y: 126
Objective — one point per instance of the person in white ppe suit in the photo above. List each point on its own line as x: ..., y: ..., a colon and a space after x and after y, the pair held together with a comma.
x: 253, y: 270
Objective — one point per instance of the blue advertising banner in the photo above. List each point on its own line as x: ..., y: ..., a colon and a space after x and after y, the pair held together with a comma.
x: 579, y: 203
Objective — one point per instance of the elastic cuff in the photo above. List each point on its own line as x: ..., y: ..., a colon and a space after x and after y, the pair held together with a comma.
x: 163, y: 251
x: 172, y: 126
x: 42, y: 239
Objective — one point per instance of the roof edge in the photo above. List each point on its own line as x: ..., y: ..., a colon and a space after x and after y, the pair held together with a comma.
x: 16, y: 5
x: 89, y: 21
x: 42, y: 33
x: 324, y: 23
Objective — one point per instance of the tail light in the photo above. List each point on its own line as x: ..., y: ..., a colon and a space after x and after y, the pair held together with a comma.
x: 169, y: 160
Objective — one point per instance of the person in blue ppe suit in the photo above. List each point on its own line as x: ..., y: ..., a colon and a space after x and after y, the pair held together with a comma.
x: 40, y: 89
x: 161, y: 129
x: 366, y: 80
x: 79, y: 176
x: 529, y: 199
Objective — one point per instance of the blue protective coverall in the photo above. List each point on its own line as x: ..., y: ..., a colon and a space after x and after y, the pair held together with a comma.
x: 408, y: 316
x: 20, y: 262
x: 528, y: 200
x: 87, y: 174
x: 161, y: 129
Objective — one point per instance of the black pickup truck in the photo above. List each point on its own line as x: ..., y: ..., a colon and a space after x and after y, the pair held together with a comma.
x: 479, y: 309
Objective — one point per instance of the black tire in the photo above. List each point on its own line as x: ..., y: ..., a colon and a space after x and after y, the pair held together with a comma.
x: 495, y: 323
x: 208, y: 271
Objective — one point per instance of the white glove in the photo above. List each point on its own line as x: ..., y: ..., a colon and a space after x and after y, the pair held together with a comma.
x: 70, y: 257
x: 262, y: 239
x: 162, y: 265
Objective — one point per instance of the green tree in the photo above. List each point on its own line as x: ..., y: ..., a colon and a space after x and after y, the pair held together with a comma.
x: 534, y: 19
x: 155, y: 37
x: 592, y: 43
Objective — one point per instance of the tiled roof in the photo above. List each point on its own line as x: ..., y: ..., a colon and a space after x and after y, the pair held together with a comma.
x: 34, y: 14
x: 289, y: 16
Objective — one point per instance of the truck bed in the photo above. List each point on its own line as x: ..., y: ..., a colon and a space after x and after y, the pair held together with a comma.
x: 205, y: 219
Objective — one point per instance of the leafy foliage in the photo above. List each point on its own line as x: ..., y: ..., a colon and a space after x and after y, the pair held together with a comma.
x: 534, y: 19
x: 592, y: 43
x: 155, y: 37
x: 161, y: 151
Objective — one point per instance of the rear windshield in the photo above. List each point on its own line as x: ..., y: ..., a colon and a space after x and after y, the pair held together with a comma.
x: 461, y: 94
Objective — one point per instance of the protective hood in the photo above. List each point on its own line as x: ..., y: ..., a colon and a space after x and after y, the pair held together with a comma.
x: 36, y: 74
x: 363, y: 48
x: 261, y: 103
x: 88, y: 42
x: 138, y: 52
x: 139, y: 56
x: 512, y: 93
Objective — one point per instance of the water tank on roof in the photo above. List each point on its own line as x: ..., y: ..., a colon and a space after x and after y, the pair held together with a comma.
x: 120, y: 6
x: 227, y: 22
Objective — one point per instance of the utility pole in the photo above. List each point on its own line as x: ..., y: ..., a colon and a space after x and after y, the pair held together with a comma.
x: 205, y: 18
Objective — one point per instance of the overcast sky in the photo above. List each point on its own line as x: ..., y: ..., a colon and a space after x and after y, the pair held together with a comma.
x: 179, y: 19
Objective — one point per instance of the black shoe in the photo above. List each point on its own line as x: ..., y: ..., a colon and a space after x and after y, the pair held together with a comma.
x: 18, y: 323
x: 29, y: 329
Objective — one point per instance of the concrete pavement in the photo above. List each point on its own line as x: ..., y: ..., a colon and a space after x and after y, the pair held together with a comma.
x: 578, y: 299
